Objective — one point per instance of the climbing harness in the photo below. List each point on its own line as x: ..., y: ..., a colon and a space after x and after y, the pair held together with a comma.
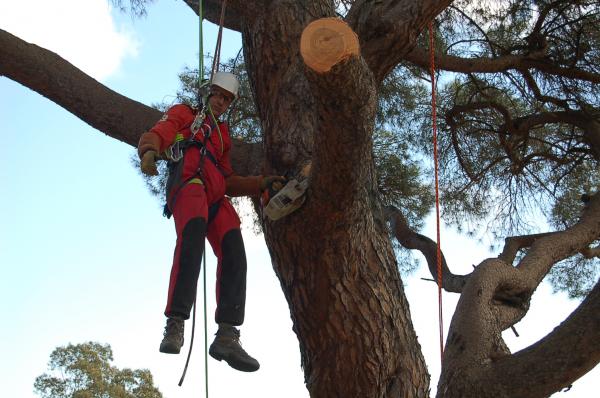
x: 175, y: 154
x: 437, y: 191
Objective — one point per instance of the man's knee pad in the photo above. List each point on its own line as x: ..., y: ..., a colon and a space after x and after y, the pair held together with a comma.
x: 184, y: 276
x: 231, y: 289
x: 192, y: 241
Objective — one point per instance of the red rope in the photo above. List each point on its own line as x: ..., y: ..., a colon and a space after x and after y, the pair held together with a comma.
x: 437, y: 191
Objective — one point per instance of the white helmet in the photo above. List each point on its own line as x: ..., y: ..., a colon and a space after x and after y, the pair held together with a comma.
x: 227, y: 81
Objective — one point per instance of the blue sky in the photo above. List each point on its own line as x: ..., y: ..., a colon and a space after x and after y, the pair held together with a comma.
x: 85, y: 252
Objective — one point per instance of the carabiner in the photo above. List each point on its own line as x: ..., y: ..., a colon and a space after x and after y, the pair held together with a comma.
x: 174, y: 152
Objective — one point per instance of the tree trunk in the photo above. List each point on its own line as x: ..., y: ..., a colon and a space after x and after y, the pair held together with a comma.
x: 333, y: 257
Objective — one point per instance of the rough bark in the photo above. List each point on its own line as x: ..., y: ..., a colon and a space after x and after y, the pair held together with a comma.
x: 333, y: 257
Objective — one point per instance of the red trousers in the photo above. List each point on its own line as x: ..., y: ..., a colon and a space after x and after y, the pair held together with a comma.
x: 190, y: 212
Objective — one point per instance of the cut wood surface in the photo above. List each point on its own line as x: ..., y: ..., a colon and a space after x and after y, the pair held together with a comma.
x: 327, y: 42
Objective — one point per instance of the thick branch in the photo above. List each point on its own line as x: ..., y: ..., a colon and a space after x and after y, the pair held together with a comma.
x: 567, y: 353
x: 112, y: 113
x: 58, y: 80
x: 521, y: 125
x: 388, y: 29
x: 475, y: 334
x: 547, y: 251
x: 451, y: 63
x: 576, y: 118
x: 475, y: 348
x: 513, y: 244
x: 581, y: 119
x: 497, y: 296
x: 415, y: 241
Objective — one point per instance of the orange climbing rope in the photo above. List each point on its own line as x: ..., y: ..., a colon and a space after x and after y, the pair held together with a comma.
x: 437, y: 191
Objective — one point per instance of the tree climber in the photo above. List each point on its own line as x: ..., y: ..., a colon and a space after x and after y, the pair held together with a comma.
x: 200, y: 175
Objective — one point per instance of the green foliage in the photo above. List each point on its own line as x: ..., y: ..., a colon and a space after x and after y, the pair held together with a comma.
x: 400, y: 180
x: 84, y: 371
x: 516, y: 145
x: 403, y: 178
x: 510, y: 140
x: 576, y: 275
x: 583, y: 180
x: 512, y: 145
x: 402, y: 157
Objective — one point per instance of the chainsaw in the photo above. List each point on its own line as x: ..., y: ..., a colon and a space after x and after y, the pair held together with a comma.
x: 278, y: 201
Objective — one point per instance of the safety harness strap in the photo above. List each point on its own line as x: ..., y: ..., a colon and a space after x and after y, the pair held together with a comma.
x: 175, y: 166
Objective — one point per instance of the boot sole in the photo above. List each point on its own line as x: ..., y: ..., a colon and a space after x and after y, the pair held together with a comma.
x: 167, y: 349
x: 242, y: 367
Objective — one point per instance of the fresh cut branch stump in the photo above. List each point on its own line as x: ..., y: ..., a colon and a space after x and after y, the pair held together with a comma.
x: 327, y: 42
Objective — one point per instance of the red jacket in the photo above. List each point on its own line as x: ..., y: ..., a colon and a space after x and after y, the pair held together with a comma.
x: 178, y: 120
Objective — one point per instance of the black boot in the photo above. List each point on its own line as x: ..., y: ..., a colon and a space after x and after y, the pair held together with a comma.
x: 227, y: 347
x: 173, y: 336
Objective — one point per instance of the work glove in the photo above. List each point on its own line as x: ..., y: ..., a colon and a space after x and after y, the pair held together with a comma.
x: 149, y: 141
x: 148, y: 163
x: 148, y: 150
